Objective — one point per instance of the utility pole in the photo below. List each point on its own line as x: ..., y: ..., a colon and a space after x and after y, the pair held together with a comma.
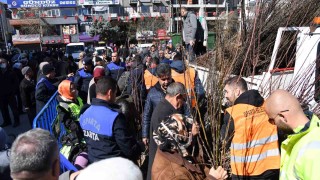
x: 4, y: 26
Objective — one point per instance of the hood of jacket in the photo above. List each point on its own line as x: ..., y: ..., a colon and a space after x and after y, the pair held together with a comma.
x: 251, y: 97
x: 178, y: 66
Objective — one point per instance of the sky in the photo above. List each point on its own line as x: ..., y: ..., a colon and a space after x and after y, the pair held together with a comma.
x: 3, y: 1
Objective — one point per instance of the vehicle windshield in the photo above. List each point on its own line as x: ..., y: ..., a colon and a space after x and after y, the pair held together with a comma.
x: 100, y: 52
x: 74, y: 49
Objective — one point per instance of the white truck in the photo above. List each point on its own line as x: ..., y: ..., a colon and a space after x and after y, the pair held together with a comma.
x: 74, y: 49
x: 302, y: 77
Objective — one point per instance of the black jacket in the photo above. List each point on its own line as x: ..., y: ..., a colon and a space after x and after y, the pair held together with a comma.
x: 27, y: 90
x: 155, y: 95
x: 163, y: 110
x: 102, y: 144
x: 43, y: 93
x: 9, y: 82
x: 82, y: 80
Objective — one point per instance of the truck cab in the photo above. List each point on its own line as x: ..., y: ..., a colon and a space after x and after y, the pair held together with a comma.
x: 74, y: 49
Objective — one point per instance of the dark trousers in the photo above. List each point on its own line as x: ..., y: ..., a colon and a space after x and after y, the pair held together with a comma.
x: 4, y: 103
x: 31, y: 114
x: 191, y: 54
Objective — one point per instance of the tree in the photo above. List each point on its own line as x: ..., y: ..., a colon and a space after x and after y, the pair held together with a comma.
x: 109, y: 31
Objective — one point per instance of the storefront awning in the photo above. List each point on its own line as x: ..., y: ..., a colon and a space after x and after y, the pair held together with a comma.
x: 87, y: 38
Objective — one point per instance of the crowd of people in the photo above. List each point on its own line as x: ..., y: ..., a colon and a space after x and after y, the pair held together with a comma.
x: 116, y: 110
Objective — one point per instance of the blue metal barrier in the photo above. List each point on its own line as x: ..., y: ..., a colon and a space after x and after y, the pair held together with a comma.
x: 44, y: 120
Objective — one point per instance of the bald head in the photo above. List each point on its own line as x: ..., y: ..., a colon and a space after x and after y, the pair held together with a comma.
x: 281, y: 100
x: 284, y: 109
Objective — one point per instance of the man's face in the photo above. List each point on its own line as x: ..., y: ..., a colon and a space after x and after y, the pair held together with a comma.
x: 52, y: 74
x: 73, y: 90
x: 161, y: 54
x: 153, y: 48
x: 279, y: 119
x: 183, y: 12
x: 229, y: 94
x: 153, y: 65
x: 87, y: 67
x: 100, y: 63
x: 114, y: 57
x: 112, y: 96
x: 30, y: 73
x: 165, y: 81
x: 3, y: 64
x: 181, y: 99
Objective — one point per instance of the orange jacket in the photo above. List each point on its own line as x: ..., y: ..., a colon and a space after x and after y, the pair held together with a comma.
x: 254, y: 148
x: 187, y: 79
x: 149, y: 79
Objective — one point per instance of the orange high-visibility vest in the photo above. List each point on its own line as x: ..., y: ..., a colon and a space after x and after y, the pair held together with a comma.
x: 254, y: 147
x: 149, y: 79
x: 187, y: 79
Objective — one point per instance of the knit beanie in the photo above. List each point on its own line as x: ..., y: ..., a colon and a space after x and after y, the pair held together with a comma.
x: 64, y: 89
x: 25, y: 70
x: 98, y: 72
x: 112, y: 168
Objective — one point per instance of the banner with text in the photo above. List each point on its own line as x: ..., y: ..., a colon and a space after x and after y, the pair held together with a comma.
x: 41, y: 3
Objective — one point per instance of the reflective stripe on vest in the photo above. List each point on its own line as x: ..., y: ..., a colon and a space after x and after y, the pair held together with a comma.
x: 187, y: 79
x: 255, y: 158
x: 149, y: 79
x: 254, y: 147
x: 255, y: 143
x: 75, y: 108
x: 310, y: 146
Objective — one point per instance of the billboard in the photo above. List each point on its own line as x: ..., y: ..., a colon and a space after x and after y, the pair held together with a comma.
x: 98, y: 2
x: 41, y: 3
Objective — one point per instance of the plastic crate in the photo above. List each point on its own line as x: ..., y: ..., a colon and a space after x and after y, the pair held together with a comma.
x: 44, y: 120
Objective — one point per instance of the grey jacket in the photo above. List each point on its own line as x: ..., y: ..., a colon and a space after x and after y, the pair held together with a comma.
x: 189, y: 27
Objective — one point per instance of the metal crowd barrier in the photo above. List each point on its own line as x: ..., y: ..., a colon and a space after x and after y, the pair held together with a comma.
x: 44, y: 120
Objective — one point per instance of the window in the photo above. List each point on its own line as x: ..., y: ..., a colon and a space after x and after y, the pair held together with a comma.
x: 286, y: 55
x: 53, y: 12
x: 69, y: 29
x: 317, y: 76
x: 145, y: 9
x: 68, y: 12
x: 86, y: 11
x: 51, y: 30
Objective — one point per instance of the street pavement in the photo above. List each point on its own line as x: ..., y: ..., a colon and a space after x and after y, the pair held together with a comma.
x: 14, y: 132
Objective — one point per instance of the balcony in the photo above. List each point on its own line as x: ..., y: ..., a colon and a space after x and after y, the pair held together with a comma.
x: 139, y: 15
x: 206, y: 4
x: 52, y: 39
x: 26, y: 39
x: 23, y: 22
x: 133, y: 1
